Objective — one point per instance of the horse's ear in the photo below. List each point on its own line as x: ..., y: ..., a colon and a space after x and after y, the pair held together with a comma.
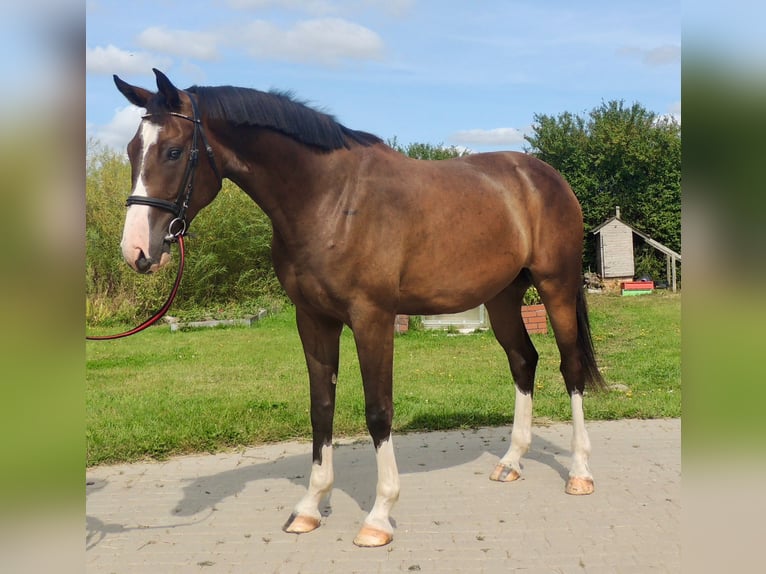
x: 135, y: 95
x: 167, y: 89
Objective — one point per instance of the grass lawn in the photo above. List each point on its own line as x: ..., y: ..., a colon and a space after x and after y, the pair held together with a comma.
x: 161, y: 393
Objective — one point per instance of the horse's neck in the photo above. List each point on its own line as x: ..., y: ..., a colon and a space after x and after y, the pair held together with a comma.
x: 284, y: 177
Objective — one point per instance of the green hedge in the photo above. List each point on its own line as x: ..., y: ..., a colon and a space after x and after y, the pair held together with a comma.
x: 228, y: 264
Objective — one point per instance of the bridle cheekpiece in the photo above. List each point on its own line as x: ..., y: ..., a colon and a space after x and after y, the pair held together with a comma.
x: 178, y: 207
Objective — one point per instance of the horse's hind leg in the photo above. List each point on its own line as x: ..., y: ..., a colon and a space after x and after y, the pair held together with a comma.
x: 508, y: 327
x: 561, y: 298
x: 320, y: 337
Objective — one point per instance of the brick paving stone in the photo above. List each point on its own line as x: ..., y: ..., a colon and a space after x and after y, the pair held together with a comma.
x: 223, y: 513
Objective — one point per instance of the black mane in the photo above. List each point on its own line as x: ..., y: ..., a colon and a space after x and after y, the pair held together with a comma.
x: 278, y: 111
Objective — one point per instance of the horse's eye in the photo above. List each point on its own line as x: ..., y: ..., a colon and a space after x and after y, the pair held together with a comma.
x: 174, y: 153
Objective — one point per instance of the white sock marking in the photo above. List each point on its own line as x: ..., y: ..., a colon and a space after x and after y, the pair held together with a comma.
x: 387, y: 491
x: 580, y: 440
x: 320, y: 484
x: 521, y: 435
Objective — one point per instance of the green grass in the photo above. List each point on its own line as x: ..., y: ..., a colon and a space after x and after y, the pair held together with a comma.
x: 161, y: 393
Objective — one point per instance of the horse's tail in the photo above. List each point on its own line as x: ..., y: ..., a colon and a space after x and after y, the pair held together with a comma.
x: 593, y: 378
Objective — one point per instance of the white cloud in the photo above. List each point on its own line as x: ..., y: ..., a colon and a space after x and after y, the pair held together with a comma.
x: 324, y: 40
x: 186, y: 43
x: 496, y: 136
x: 113, y: 60
x: 120, y: 130
x: 675, y: 110
x: 674, y: 113
x: 654, y: 57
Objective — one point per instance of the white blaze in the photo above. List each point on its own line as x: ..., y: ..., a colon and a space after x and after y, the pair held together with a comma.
x: 135, y: 233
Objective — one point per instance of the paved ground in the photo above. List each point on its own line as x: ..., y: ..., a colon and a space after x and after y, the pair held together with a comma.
x: 223, y: 513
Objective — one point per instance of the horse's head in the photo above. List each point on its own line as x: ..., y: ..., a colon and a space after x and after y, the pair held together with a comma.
x: 172, y: 181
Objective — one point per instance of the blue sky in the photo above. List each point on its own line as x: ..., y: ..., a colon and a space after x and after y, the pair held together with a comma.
x: 465, y: 73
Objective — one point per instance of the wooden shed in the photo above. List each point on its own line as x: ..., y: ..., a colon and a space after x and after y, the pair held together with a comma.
x: 614, y: 251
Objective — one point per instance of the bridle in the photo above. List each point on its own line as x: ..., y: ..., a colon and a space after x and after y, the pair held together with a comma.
x: 178, y: 226
x: 180, y: 205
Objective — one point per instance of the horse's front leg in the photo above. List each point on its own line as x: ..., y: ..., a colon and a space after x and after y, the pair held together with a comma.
x: 375, y: 345
x: 320, y: 337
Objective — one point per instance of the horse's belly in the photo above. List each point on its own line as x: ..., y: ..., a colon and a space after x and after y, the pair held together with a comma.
x: 452, y: 286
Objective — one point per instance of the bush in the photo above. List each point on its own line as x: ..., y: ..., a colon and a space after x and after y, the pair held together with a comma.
x: 532, y: 297
x: 418, y: 150
x: 228, y: 264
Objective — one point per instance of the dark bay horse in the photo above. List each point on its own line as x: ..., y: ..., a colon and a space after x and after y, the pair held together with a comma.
x: 362, y: 233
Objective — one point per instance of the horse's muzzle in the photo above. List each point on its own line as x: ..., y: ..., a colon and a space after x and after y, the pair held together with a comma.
x: 144, y: 264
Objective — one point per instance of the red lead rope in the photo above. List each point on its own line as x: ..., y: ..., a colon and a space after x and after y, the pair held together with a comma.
x: 162, y: 310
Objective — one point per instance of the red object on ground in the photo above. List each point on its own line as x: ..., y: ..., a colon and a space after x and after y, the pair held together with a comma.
x: 637, y: 285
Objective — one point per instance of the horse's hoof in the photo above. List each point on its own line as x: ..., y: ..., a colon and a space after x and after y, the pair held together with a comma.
x: 503, y: 473
x: 579, y: 485
x: 370, y: 537
x: 300, y: 524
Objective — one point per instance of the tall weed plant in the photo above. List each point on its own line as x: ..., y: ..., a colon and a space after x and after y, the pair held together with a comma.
x: 228, y: 254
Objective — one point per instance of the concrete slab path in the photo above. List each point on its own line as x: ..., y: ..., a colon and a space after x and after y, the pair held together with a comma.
x: 224, y: 512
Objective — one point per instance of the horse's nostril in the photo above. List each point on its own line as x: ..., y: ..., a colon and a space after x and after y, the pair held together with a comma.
x: 143, y: 263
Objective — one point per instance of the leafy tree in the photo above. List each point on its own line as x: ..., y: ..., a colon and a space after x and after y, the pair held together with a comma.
x: 618, y: 155
x: 427, y: 151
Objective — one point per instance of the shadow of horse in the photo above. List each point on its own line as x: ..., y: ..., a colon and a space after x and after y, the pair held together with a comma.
x: 355, y: 468
x: 355, y: 472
